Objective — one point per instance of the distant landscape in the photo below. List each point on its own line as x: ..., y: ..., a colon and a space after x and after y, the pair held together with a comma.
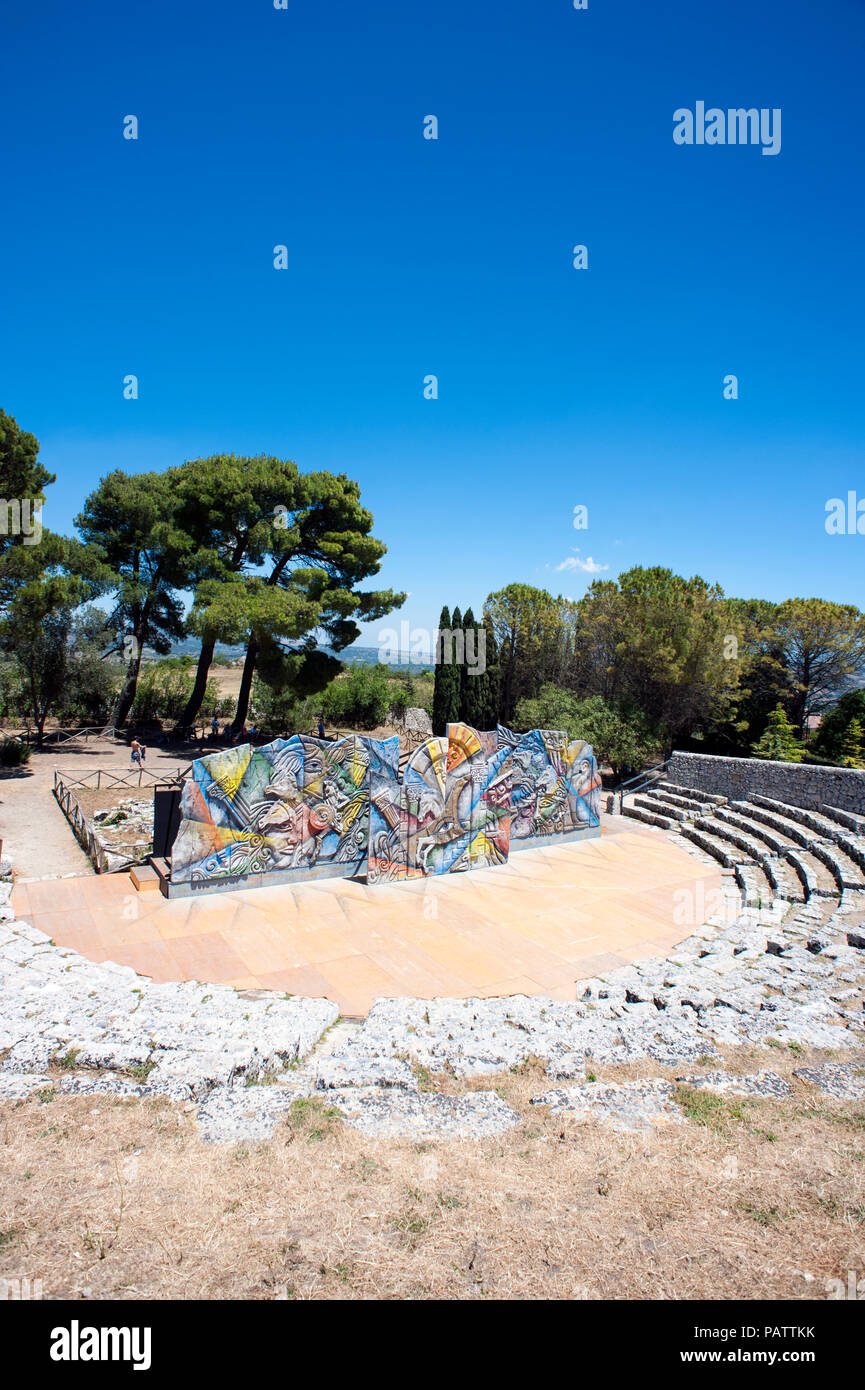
x: 356, y: 655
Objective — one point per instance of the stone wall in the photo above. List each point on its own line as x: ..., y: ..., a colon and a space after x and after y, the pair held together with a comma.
x: 799, y: 784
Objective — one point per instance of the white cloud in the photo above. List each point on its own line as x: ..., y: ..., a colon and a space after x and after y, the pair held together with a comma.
x: 575, y: 562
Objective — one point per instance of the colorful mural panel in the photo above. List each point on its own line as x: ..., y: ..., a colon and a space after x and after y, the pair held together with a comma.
x: 305, y: 806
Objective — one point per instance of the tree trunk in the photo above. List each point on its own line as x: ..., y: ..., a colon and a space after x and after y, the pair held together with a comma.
x: 245, y: 686
x: 193, y: 704
x: 124, y: 701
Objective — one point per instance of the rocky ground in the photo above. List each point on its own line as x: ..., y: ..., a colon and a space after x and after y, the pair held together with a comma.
x: 785, y: 977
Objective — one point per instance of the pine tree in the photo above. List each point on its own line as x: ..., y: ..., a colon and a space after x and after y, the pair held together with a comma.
x: 779, y: 742
x: 853, y: 745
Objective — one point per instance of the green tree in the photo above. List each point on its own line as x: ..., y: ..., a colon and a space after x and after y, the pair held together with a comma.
x: 831, y: 736
x: 778, y: 742
x: 853, y: 745
x: 359, y: 699
x: 315, y: 551
x: 42, y: 588
x: 131, y: 521
x: 822, y: 646
x: 660, y: 642
x: 91, y: 683
x: 23, y: 479
x: 622, y: 740
x: 763, y: 678
x: 473, y: 680
x: 491, y: 681
x: 527, y: 625
x: 229, y: 505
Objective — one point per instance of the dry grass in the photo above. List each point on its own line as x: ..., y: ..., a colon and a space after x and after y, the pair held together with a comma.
x: 107, y: 1199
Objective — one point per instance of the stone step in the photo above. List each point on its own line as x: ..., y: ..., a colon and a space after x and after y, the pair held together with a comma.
x: 777, y: 842
x: 703, y: 797
x: 145, y: 878
x: 846, y: 818
x: 784, y: 880
x: 750, y: 846
x: 755, y: 884
x: 660, y: 807
x: 649, y: 817
x: 846, y: 872
x: 825, y: 829
x: 794, y: 831
x: 687, y: 803
x: 814, y: 876
x: 723, y: 850
x: 823, y: 826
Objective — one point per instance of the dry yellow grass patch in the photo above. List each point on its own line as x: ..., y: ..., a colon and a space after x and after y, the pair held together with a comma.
x: 108, y: 1199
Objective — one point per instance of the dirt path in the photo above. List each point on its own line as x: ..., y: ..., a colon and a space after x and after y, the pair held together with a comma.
x: 35, y: 833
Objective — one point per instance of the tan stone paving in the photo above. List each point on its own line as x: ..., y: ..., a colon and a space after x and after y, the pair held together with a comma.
x: 533, y: 926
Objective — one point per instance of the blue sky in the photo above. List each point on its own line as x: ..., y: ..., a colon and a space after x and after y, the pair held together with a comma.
x: 408, y: 256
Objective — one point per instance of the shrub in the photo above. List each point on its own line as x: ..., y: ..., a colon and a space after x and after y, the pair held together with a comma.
x: 360, y: 699
x: 163, y: 690
x: 13, y: 753
x: 622, y: 738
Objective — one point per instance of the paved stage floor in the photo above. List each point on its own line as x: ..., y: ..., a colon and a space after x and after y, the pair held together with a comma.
x: 533, y: 926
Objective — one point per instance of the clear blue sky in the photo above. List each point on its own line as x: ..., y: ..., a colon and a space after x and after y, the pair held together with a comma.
x: 407, y: 257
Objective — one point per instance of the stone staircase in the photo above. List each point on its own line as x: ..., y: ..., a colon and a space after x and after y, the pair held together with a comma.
x: 778, y: 854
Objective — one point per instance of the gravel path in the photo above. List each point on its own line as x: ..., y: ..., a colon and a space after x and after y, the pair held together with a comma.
x: 36, y: 835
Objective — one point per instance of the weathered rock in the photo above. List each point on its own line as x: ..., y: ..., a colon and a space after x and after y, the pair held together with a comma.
x: 765, y: 1084
x: 20, y: 1085
x: 631, y: 1105
x: 843, y: 1081
x: 396, y: 1113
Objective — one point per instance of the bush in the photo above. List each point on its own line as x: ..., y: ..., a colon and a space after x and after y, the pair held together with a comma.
x: 280, y: 712
x: 163, y: 690
x: 359, y: 700
x: 622, y: 738
x: 13, y: 753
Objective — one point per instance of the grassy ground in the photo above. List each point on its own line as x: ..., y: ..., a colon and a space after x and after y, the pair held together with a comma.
x: 107, y: 1199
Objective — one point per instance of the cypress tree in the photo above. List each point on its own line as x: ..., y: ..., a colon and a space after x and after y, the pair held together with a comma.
x: 491, y: 680
x: 456, y: 671
x: 441, y: 686
x: 472, y: 701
